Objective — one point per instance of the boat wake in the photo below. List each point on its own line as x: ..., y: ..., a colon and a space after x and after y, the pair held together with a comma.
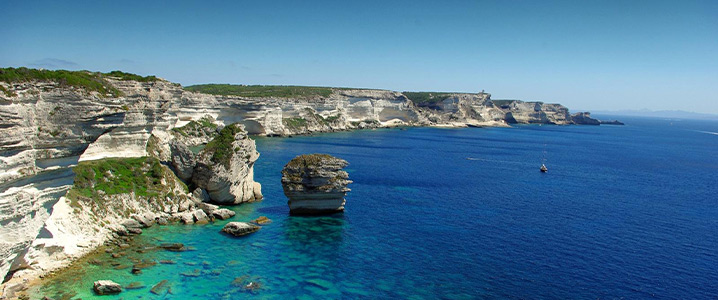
x: 707, y: 132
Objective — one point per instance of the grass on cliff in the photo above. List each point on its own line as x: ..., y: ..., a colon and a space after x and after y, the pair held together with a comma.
x: 129, y: 76
x: 89, y: 81
x: 117, y: 176
x: 426, y: 97
x: 221, y: 145
x: 141, y: 175
x: 193, y: 128
x: 279, y: 91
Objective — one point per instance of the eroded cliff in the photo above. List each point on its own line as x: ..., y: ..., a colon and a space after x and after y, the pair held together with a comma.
x: 50, y: 125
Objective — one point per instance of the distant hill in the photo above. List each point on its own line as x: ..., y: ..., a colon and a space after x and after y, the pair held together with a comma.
x: 677, y: 114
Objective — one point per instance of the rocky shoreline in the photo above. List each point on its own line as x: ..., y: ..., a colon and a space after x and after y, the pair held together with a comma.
x: 114, y: 140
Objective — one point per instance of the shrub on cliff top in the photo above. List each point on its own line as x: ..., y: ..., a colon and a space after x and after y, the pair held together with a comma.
x: 117, y: 176
x: 426, y: 97
x: 221, y: 145
x: 280, y: 91
x: 204, y: 126
x: 81, y: 79
x: 129, y: 76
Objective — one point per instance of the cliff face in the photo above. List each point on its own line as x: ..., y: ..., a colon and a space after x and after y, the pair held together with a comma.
x: 315, y: 184
x: 48, y: 127
x: 229, y: 156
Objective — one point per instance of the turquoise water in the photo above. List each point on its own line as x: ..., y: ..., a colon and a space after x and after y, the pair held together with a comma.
x: 624, y: 211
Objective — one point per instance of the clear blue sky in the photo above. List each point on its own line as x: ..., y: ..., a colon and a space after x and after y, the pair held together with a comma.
x: 584, y: 54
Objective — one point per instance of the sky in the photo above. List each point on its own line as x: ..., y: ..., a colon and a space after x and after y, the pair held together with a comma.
x: 587, y: 55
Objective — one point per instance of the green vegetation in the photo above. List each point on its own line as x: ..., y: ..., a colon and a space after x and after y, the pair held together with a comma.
x: 331, y: 119
x: 280, y: 91
x: 80, y: 79
x: 117, y: 176
x: 111, y: 176
x: 366, y: 121
x: 294, y: 123
x: 310, y: 160
x: 89, y: 81
x: 205, y: 126
x: 426, y: 97
x: 7, y: 92
x: 129, y: 76
x: 221, y: 146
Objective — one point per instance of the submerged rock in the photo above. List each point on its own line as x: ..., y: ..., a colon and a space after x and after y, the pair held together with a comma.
x: 160, y: 288
x: 135, y: 285
x: 107, y: 287
x: 240, y: 228
x: 315, y: 184
x: 174, y: 247
x: 262, y: 220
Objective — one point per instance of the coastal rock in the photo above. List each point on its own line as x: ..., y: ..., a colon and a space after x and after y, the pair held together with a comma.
x: 106, y: 287
x: 262, y: 220
x: 584, y: 118
x: 612, y: 122
x: 223, y: 213
x: 200, y: 195
x: 315, y: 184
x: 225, y: 167
x: 208, y: 208
x: 183, y: 160
x: 240, y: 228
x: 200, y: 217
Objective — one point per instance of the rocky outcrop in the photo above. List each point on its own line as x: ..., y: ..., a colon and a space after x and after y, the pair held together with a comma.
x: 520, y: 112
x: 240, y: 228
x: 183, y: 160
x: 584, y: 118
x: 109, y: 198
x: 315, y: 184
x: 225, y: 167
x: 612, y: 122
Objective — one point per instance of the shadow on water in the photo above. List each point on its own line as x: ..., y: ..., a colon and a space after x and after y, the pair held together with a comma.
x: 315, y: 231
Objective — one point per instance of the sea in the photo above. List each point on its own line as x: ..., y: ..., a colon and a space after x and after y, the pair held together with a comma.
x: 624, y: 212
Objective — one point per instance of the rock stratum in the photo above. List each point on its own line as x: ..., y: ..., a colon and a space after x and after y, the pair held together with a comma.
x: 315, y: 184
x: 50, y: 125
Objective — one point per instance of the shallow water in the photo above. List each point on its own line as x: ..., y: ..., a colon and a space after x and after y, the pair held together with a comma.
x: 624, y: 211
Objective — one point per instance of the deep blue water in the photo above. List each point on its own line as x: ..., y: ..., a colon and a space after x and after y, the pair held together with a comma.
x: 624, y: 212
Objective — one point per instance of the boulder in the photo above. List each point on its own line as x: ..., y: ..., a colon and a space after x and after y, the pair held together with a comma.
x: 200, y: 217
x: 201, y: 195
x: 182, y: 160
x: 240, y: 228
x: 315, y: 184
x: 145, y: 220
x: 208, y: 208
x: 107, y: 287
x: 131, y: 223
x: 225, y: 167
x: 223, y: 213
x: 186, y: 217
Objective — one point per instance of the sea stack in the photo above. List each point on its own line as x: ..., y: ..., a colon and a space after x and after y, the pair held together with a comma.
x: 315, y: 184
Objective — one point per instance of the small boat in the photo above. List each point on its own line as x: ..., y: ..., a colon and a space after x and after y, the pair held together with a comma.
x: 543, y: 168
